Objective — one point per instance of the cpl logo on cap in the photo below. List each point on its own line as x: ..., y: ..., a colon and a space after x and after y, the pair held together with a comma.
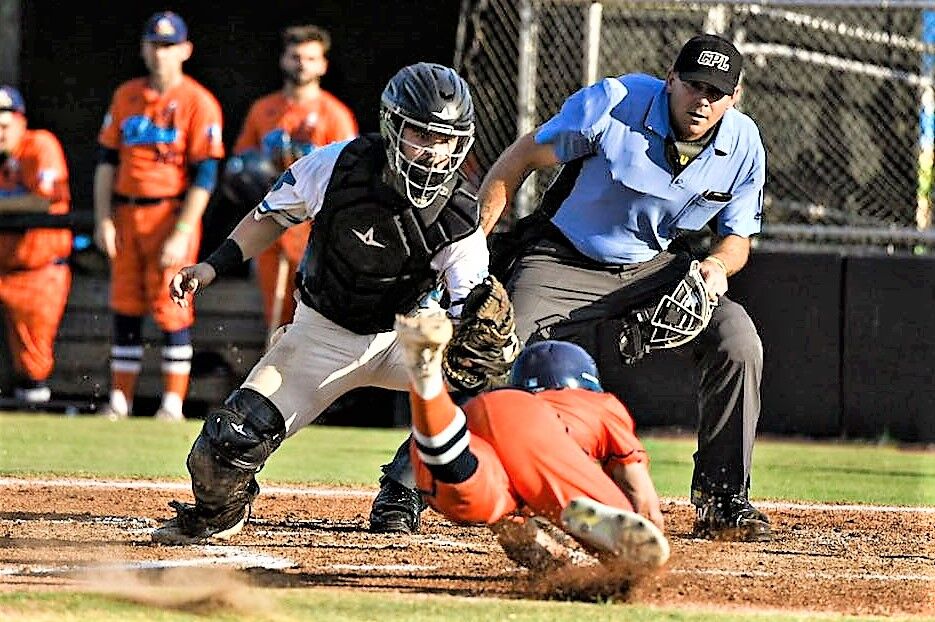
x: 164, y: 27
x: 714, y: 59
x: 6, y: 100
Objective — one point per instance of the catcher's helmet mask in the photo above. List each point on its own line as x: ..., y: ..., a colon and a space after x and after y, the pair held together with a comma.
x: 429, y: 98
x: 675, y: 320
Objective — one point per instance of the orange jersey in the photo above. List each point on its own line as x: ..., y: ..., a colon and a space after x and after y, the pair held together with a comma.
x: 537, y: 451
x: 599, y: 423
x: 323, y: 121
x: 37, y: 167
x: 158, y: 135
x: 326, y: 120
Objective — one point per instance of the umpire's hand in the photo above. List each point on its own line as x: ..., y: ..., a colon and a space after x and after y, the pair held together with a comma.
x: 189, y: 280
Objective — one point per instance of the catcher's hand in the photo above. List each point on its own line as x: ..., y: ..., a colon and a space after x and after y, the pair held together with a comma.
x: 484, y: 345
x: 189, y: 280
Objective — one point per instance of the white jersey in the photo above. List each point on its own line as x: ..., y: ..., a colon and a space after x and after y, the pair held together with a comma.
x: 300, y: 192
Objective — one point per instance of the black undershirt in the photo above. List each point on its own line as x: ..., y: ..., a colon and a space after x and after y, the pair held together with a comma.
x: 680, y: 153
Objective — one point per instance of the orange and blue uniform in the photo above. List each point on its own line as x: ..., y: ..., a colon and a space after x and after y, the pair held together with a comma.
x: 158, y: 136
x: 273, y: 119
x: 35, y: 279
x: 159, y: 139
x: 510, y: 450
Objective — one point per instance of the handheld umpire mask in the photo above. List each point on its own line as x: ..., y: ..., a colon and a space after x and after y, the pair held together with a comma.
x: 676, y: 319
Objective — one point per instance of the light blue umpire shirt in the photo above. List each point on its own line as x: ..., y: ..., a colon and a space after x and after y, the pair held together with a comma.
x: 627, y: 205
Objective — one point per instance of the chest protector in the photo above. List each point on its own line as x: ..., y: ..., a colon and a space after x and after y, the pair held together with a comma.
x: 369, y: 253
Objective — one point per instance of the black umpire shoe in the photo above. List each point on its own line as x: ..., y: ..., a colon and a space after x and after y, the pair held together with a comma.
x: 730, y: 517
x: 396, y: 509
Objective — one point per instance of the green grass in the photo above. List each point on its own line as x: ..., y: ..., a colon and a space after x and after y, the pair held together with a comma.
x: 52, y: 446
x: 145, y: 448
x: 322, y: 604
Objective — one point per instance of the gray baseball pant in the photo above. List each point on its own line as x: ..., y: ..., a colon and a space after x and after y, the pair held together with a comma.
x: 558, y: 295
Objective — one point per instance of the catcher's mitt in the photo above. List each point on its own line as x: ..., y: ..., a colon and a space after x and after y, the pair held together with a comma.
x: 484, y: 345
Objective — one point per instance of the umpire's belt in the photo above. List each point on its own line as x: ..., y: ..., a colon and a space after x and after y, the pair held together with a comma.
x: 122, y: 199
x: 552, y: 242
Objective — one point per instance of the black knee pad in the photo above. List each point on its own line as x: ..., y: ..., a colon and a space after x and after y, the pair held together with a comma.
x: 234, y: 443
x: 245, y: 430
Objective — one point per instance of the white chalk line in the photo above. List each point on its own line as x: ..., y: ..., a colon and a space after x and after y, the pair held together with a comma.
x: 831, y: 576
x: 214, y: 556
x: 361, y: 493
x: 239, y: 559
x: 11, y: 482
x: 384, y: 568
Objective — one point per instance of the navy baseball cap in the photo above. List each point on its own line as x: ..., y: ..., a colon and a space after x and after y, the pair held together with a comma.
x: 11, y: 99
x: 165, y: 27
x: 712, y: 60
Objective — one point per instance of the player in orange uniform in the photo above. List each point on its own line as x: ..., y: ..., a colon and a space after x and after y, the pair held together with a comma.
x: 284, y: 126
x: 34, y: 275
x: 555, y: 447
x: 160, y: 147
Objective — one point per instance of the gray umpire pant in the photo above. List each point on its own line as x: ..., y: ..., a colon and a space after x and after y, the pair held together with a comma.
x: 558, y: 293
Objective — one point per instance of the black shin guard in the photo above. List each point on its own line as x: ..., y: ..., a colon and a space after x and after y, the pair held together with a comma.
x: 234, y: 443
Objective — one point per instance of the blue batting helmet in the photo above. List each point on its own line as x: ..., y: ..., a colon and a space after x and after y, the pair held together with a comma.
x: 555, y: 364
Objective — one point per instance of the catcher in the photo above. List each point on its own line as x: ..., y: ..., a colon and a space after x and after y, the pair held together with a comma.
x: 555, y: 447
x: 392, y: 220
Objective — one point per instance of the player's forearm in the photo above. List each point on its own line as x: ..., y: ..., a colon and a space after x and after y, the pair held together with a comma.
x: 634, y: 480
x: 31, y: 203
x: 103, y: 191
x: 193, y: 207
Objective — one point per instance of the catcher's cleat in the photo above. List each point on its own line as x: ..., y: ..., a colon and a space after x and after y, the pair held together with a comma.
x: 537, y: 545
x: 623, y: 534
x: 732, y: 518
x: 396, y: 509
x: 190, y: 526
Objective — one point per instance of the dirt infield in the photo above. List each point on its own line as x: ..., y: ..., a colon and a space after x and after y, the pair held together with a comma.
x: 860, y: 560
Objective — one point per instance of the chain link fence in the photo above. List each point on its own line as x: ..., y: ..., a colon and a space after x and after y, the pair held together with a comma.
x: 842, y: 93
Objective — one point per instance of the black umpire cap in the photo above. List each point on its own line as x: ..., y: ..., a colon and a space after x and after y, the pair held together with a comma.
x: 712, y: 60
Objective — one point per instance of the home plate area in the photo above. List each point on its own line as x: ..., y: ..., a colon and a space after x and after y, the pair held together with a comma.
x: 87, y: 534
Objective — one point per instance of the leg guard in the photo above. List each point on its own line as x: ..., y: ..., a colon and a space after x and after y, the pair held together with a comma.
x: 234, y: 443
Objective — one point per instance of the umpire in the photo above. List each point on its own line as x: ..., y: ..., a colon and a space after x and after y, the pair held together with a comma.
x: 643, y: 159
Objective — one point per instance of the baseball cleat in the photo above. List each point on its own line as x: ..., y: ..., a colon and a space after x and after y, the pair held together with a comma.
x: 187, y: 527
x: 396, y: 509
x: 423, y: 338
x: 730, y: 518
x: 625, y: 535
x: 164, y: 414
x: 33, y: 395
x: 112, y: 414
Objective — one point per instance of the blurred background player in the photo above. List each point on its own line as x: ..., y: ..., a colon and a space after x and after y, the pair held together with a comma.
x: 555, y: 446
x: 283, y: 126
x: 34, y: 275
x: 160, y: 146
